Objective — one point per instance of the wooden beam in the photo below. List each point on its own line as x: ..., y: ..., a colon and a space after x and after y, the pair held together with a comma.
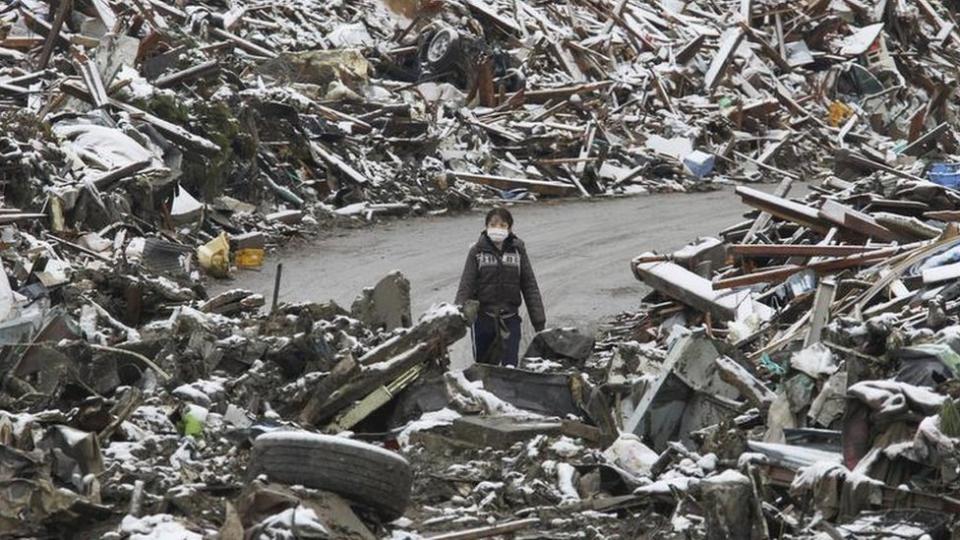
x: 863, y: 161
x: 62, y: 11
x: 500, y: 529
x: 560, y: 93
x: 199, y: 70
x: 683, y: 285
x: 776, y: 275
x: 729, y: 41
x: 503, y: 182
x: 782, y: 189
x: 584, y: 153
x: 338, y: 163
x: 766, y: 48
x: 783, y: 208
x: 797, y: 250
x: 487, y: 12
x: 241, y: 43
x: 820, y: 314
x: 688, y: 51
x: 851, y: 220
x: 943, y: 215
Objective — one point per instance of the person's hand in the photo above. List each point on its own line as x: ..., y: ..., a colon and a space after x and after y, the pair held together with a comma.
x: 470, y: 310
x: 539, y: 327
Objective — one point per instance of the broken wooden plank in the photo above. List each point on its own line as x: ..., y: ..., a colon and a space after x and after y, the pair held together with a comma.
x: 374, y: 400
x: 22, y: 42
x: 863, y: 161
x: 584, y: 153
x: 783, y: 208
x: 64, y: 9
x: 91, y: 78
x: 767, y: 166
x: 104, y: 181
x: 337, y: 163
x: 729, y: 41
x: 567, y: 60
x: 931, y: 15
x: 543, y: 187
x: 943, y: 215
x: 796, y: 250
x: 499, y: 529
x: 106, y: 14
x: 241, y: 43
x: 852, y: 220
x: 776, y: 275
x: 771, y: 149
x: 754, y: 108
x: 661, y: 91
x: 199, y: 70
x: 917, y: 147
x: 749, y: 386
x: 489, y: 13
x: 767, y: 50
x: 561, y: 93
x: 761, y: 222
x: 820, y: 314
x: 321, y: 408
x: 340, y: 116
x: 13, y: 218
x: 916, y: 122
x: 683, y: 285
x: 230, y: 18
x: 691, y: 49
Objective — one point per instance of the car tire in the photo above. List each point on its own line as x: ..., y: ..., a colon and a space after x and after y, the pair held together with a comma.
x: 363, y: 473
x: 442, y: 50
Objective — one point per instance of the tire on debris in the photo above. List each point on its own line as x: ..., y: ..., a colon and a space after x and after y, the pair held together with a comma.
x: 363, y: 473
x: 443, y: 49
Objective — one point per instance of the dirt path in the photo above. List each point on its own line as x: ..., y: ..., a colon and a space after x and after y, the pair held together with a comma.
x: 580, y: 252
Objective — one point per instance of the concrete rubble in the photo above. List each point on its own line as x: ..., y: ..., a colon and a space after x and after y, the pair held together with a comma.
x: 794, y: 376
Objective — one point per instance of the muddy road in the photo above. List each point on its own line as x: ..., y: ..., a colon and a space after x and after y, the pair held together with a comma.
x: 580, y: 252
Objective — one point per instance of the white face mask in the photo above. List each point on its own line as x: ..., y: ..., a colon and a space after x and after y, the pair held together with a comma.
x: 497, y: 234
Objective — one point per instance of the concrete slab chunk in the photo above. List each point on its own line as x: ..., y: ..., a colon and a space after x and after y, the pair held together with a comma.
x: 502, y: 431
x: 386, y: 305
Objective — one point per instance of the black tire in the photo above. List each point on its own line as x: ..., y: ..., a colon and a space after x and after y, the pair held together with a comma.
x: 368, y: 475
x: 443, y: 49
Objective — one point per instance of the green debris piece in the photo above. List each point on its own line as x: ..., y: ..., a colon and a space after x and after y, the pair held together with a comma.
x: 950, y: 419
x: 192, y: 420
x: 725, y: 102
x: 771, y: 366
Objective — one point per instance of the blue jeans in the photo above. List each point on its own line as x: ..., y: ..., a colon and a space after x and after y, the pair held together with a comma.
x: 491, y: 348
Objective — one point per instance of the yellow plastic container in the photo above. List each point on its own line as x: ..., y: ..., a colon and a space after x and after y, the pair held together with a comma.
x: 838, y: 113
x: 249, y: 258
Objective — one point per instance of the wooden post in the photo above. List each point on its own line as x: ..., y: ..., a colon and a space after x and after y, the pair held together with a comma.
x: 51, y: 41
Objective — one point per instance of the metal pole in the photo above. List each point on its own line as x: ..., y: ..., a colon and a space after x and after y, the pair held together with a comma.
x: 276, y: 289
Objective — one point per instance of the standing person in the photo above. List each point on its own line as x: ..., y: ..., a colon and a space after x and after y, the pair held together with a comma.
x: 497, y: 273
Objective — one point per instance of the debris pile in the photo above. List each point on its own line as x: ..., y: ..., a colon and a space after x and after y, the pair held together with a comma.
x: 101, y: 420
x: 201, y: 118
x: 794, y: 377
x: 815, y: 345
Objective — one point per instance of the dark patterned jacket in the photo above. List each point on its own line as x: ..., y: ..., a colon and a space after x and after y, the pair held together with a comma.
x: 497, y: 279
